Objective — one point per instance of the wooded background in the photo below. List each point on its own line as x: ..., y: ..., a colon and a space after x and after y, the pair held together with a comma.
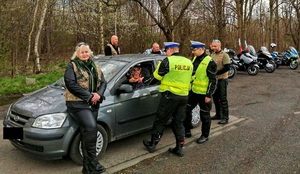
x: 36, y: 34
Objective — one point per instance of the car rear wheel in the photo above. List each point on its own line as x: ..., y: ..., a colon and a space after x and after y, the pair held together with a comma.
x: 196, y: 116
x: 101, y: 145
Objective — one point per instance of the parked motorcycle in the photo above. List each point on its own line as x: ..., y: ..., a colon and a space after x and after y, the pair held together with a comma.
x: 265, y: 60
x: 289, y: 58
x: 245, y: 61
x: 232, y: 69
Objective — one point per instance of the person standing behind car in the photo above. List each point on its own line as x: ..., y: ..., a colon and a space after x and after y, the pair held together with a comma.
x: 203, y: 87
x: 85, y: 86
x: 175, y: 73
x: 112, y: 48
x: 154, y: 50
x: 220, y: 96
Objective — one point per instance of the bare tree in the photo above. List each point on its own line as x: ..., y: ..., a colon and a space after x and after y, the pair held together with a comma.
x: 295, y: 24
x: 31, y: 32
x: 37, y: 37
x: 168, y: 24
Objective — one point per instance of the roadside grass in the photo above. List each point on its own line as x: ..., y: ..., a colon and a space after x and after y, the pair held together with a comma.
x: 18, y: 85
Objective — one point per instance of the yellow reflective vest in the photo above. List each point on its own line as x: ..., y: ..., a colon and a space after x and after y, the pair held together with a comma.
x: 178, y: 79
x: 200, y: 83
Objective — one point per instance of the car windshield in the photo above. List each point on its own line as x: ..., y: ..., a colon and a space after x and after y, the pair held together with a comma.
x: 109, y: 68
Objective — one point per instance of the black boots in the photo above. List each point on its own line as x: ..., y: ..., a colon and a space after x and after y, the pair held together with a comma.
x: 150, y: 145
x: 188, y: 133
x: 90, y: 163
x: 177, y: 150
x: 85, y: 169
x: 92, y: 167
x: 216, y: 117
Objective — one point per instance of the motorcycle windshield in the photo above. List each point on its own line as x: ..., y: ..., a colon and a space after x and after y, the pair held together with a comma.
x: 294, y: 53
x: 264, y: 49
x: 252, y: 50
x: 291, y: 53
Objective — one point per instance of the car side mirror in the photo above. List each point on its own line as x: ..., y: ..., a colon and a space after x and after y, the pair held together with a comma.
x: 125, y: 88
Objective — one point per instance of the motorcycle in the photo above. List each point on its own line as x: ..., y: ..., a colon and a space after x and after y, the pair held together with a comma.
x: 245, y: 61
x: 265, y: 60
x: 289, y: 58
x: 232, y: 69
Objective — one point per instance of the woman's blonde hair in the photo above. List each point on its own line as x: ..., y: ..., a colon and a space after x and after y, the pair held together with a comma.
x: 79, y: 47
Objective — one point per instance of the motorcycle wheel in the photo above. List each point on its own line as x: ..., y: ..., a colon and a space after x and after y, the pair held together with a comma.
x: 270, y: 67
x: 231, y: 72
x: 252, y: 70
x: 293, y: 65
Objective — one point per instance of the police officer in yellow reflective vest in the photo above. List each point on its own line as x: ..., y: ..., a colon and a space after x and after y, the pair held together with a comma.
x: 175, y: 73
x: 203, y: 87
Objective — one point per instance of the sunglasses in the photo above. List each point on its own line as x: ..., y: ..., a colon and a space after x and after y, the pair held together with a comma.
x: 81, y: 43
x: 216, y: 40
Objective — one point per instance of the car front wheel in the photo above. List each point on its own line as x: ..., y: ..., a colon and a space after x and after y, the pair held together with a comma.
x: 101, y: 144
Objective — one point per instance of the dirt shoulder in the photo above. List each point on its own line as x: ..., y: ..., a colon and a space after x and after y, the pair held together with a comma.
x: 3, y: 111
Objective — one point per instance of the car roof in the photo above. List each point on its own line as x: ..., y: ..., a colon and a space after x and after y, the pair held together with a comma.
x: 129, y: 57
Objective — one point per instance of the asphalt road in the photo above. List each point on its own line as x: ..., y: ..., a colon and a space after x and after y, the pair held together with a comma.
x: 268, y: 142
x: 261, y: 137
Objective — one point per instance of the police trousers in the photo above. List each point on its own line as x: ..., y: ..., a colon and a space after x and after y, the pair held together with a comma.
x: 193, y: 101
x: 174, y: 106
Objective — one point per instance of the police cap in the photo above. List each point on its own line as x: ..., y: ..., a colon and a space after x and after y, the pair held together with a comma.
x: 196, y: 44
x: 171, y: 45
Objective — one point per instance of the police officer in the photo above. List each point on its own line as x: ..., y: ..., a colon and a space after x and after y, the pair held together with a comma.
x: 203, y: 87
x: 175, y: 73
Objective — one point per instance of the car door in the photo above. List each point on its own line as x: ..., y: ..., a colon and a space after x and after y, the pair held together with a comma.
x: 135, y: 111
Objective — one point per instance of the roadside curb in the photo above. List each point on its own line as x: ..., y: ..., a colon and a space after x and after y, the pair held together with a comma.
x: 216, y: 130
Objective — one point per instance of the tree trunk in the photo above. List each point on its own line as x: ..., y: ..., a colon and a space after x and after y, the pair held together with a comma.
x: 31, y: 32
x: 239, y: 12
x: 101, y: 27
x: 220, y: 19
x: 271, y: 33
x: 37, y: 38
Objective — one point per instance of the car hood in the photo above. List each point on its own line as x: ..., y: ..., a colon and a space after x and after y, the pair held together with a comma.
x: 44, y: 101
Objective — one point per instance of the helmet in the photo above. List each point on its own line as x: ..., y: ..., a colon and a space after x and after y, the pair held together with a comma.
x: 273, y: 45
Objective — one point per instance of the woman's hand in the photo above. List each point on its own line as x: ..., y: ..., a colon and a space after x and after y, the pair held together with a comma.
x: 96, y: 97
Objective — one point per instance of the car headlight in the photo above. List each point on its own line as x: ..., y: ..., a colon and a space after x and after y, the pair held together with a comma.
x: 50, y: 121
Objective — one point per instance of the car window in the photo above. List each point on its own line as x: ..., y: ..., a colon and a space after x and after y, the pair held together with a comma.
x: 144, y: 70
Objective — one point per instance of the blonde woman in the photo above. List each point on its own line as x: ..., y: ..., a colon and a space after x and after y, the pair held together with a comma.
x: 85, y: 86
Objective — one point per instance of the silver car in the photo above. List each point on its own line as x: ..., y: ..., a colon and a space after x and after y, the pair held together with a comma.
x: 49, y: 132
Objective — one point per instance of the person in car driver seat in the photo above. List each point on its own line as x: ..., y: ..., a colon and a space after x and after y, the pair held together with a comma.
x: 139, y: 77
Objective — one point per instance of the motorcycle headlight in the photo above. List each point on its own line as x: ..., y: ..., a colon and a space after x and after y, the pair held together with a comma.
x: 50, y: 121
